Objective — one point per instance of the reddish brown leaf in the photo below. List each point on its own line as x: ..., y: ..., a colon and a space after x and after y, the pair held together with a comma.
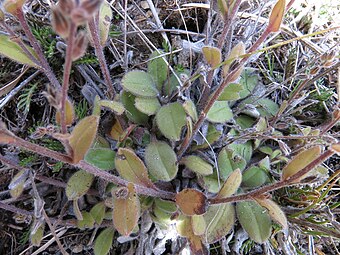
x: 131, y: 168
x: 276, y: 16
x: 191, y: 202
x: 212, y: 55
x: 69, y: 114
x: 126, y: 209
x: 300, y: 161
x: 184, y: 229
x: 82, y: 137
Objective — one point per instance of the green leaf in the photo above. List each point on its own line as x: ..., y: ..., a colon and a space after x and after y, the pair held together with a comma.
x: 219, y: 221
x: 140, y: 84
x: 219, y: 112
x: 78, y: 184
x: 249, y: 79
x: 172, y: 84
x: 267, y: 107
x: 228, y: 161
x: 161, y: 161
x: 198, y: 224
x: 126, y: 209
x: 165, y: 205
x: 148, y: 106
x: 86, y: 222
x: 254, y: 177
x: 16, y: 187
x: 231, y: 92
x: 244, y: 121
x: 158, y: 69
x: 102, y: 158
x: 274, y: 211
x: 98, y: 212
x: 245, y: 150
x: 12, y: 50
x: 105, y: 16
x: 116, y: 107
x: 170, y: 120
x: 131, y: 168
x: 210, y: 182
x: 132, y: 112
x: 197, y: 165
x: 82, y: 137
x: 38, y: 235
x: 212, y: 136
x: 190, y: 108
x: 103, y: 242
x: 254, y: 220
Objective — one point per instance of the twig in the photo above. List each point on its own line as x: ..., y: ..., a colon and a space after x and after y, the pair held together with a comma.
x: 277, y: 185
x: 13, y: 92
x: 308, y: 224
x: 36, y: 46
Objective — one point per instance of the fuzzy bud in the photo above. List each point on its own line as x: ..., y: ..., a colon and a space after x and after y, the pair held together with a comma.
x: 91, y: 6
x: 60, y: 23
x: 79, y: 16
x: 66, y: 6
x: 314, y: 70
x: 80, y: 45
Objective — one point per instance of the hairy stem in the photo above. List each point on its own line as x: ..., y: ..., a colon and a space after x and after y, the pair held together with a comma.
x: 93, y: 25
x: 283, y: 183
x: 36, y: 46
x: 185, y: 145
x: 66, y: 76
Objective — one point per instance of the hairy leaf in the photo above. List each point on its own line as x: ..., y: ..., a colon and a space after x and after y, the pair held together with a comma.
x: 231, y: 92
x: 197, y: 165
x: 300, y: 161
x: 102, y: 158
x: 231, y: 185
x: 149, y: 106
x: 116, y: 107
x: 98, y: 212
x: 212, y: 55
x: 276, y: 16
x: 83, y: 136
x: 12, y: 50
x: 274, y: 211
x: 78, y: 184
x: 220, y: 112
x: 191, y: 202
x: 105, y: 16
x: 219, y: 220
x: 170, y: 120
x: 131, y: 168
x: 132, y: 112
x: 254, y: 220
x: 103, y: 242
x: 140, y: 84
x: 158, y: 69
x: 86, y: 222
x: 126, y: 209
x: 161, y: 161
